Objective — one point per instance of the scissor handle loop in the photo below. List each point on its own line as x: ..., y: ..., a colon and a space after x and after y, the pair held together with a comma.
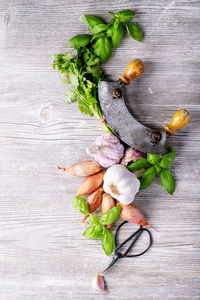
x: 136, y: 236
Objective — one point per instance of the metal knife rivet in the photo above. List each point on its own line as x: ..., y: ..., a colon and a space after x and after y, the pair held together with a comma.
x: 156, y: 137
x: 117, y: 93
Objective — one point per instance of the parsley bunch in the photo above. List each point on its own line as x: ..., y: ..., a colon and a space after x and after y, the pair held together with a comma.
x: 80, y: 68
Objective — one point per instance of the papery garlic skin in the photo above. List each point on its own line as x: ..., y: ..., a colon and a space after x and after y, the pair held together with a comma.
x: 121, y: 184
x: 107, y: 150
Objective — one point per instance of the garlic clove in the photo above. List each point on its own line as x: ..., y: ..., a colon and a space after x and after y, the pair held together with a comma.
x: 98, y: 283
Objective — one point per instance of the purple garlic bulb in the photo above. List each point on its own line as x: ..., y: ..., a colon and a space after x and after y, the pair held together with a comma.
x: 107, y: 150
x: 131, y: 154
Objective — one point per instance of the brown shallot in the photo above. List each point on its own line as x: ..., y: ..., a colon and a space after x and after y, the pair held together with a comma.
x: 132, y: 214
x: 90, y: 184
x: 107, y: 203
x: 93, y: 201
x: 83, y: 169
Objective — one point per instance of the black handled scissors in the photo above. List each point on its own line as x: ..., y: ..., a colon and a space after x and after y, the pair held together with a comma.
x: 135, y: 236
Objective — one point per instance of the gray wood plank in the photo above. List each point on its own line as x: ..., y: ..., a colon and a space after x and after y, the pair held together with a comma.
x: 42, y: 252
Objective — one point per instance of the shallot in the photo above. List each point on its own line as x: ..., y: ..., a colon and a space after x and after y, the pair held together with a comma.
x: 83, y: 169
x: 132, y: 214
x: 90, y: 184
x: 93, y: 201
x: 107, y: 203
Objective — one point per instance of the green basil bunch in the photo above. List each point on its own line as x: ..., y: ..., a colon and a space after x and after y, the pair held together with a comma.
x: 98, y: 229
x: 154, y: 164
x: 105, y: 36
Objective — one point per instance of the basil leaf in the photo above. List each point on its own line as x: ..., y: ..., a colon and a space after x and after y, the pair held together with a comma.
x: 117, y: 33
x: 171, y: 149
x: 153, y: 158
x: 80, y: 204
x: 69, y: 97
x: 138, y: 164
x: 108, y: 242
x: 133, y: 31
x: 102, y: 48
x: 125, y: 14
x: 94, y: 232
x: 80, y: 40
x: 167, y: 160
x: 91, y: 20
x: 111, y: 215
x: 167, y: 181
x: 158, y: 168
x: 99, y: 28
x: 110, y: 26
x: 93, y: 219
x: 147, y: 178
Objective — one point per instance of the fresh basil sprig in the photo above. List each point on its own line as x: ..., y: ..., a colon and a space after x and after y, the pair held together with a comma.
x: 153, y: 158
x: 133, y: 31
x: 154, y: 164
x: 94, y: 232
x: 80, y: 204
x: 111, y: 215
x: 108, y: 242
x: 167, y: 160
x: 167, y: 181
x: 138, y: 164
x: 98, y: 230
x: 111, y: 34
x: 80, y: 40
x: 103, y: 48
x: 147, y: 178
x: 125, y: 14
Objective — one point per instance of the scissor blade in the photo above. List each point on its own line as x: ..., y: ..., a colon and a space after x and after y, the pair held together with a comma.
x: 114, y: 260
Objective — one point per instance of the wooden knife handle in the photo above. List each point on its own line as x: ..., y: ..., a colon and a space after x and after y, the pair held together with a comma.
x: 134, y: 69
x: 180, y: 119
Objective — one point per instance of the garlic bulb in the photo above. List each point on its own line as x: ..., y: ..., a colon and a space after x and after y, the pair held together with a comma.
x: 107, y: 150
x: 131, y: 154
x: 121, y: 184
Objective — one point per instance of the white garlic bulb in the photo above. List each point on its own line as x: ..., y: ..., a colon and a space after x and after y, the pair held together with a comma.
x: 121, y: 184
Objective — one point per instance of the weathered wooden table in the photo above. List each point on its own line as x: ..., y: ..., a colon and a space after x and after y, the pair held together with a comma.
x: 42, y: 252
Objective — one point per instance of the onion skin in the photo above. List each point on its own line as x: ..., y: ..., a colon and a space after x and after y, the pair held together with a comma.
x: 93, y: 201
x: 83, y: 169
x: 132, y: 214
x: 107, y: 203
x: 90, y: 184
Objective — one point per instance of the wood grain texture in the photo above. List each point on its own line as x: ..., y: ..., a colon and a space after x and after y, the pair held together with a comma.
x: 43, y: 255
